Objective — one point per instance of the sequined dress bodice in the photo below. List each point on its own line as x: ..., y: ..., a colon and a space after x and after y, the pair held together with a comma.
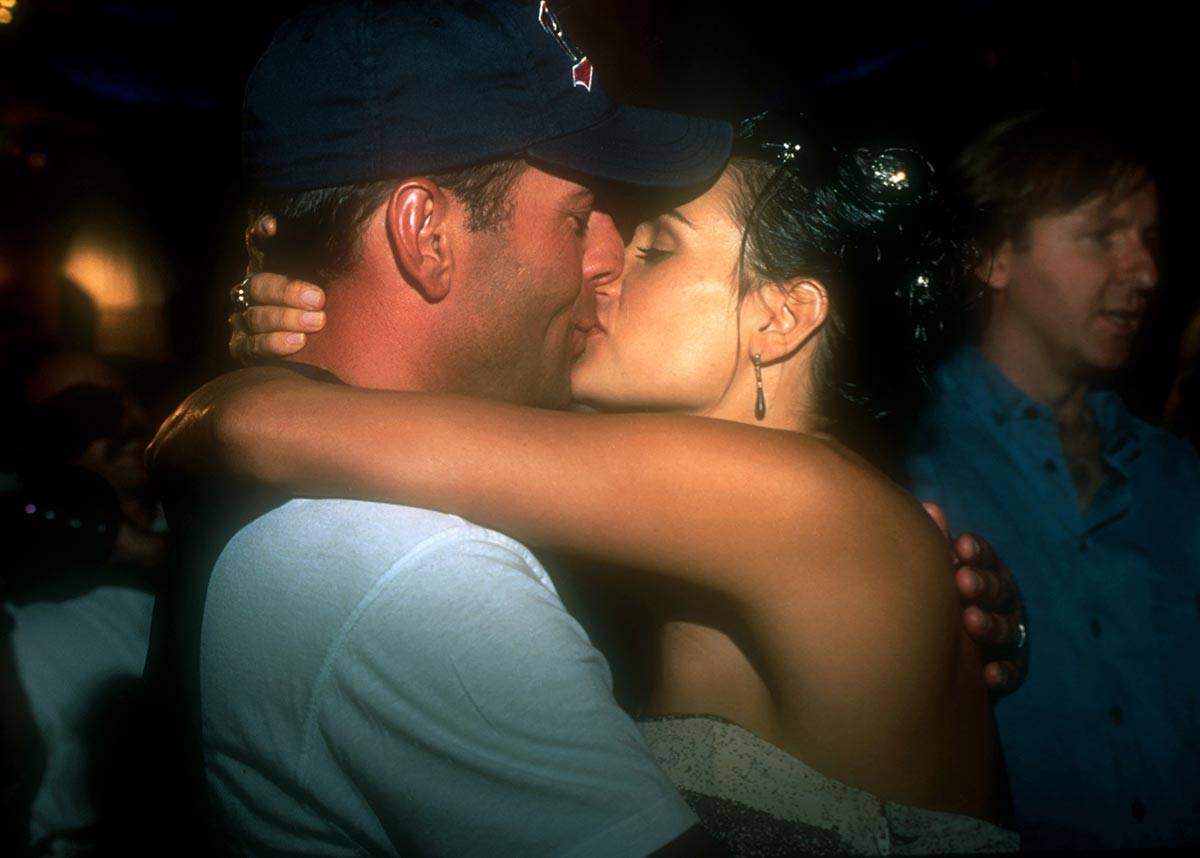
x: 758, y: 800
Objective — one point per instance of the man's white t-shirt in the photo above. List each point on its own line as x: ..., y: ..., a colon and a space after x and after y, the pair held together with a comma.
x: 378, y: 679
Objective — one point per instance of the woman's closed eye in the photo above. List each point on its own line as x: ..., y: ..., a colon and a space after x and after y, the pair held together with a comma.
x: 652, y: 255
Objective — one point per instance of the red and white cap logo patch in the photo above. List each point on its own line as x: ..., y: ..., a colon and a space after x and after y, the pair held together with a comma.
x: 581, y: 69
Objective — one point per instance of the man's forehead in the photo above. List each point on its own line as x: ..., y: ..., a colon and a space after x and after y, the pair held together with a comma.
x: 550, y: 186
x: 1139, y: 201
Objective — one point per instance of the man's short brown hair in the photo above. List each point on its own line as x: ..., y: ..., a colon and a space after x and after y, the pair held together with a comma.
x: 1043, y: 163
x: 319, y: 231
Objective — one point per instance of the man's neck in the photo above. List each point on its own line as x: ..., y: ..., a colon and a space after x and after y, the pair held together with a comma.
x: 363, y: 345
x: 1033, y: 369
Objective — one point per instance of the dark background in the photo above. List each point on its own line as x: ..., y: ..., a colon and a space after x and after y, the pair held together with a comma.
x: 129, y: 110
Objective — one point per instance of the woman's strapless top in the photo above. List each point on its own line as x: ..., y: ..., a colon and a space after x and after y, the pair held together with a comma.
x: 757, y: 799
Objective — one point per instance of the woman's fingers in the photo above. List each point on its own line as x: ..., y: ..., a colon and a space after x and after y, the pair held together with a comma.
x: 250, y: 347
x: 254, y: 348
x: 275, y: 344
x: 279, y: 291
x: 282, y: 311
x: 266, y: 320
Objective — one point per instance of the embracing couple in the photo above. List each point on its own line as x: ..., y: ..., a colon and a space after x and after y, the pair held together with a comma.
x: 383, y: 666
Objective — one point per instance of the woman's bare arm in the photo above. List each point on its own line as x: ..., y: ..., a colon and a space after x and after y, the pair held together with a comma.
x: 714, y: 503
x: 283, y: 308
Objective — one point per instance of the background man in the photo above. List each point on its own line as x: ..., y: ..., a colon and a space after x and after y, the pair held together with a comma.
x: 1097, y: 512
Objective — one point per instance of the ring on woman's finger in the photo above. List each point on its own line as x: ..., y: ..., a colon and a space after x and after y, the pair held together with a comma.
x: 1022, y: 636
x: 239, y: 296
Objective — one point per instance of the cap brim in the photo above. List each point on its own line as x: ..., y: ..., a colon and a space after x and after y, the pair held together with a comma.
x: 642, y: 147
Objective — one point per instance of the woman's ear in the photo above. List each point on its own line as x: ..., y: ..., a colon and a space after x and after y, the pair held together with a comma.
x: 418, y: 232
x: 786, y: 316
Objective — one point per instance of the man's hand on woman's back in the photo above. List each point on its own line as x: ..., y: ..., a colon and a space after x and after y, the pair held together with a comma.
x: 993, y: 613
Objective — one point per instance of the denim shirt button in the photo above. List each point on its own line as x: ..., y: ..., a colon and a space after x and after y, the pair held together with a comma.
x: 1138, y: 810
x: 1095, y: 627
x: 1049, y: 467
x: 1117, y: 715
x: 1030, y: 412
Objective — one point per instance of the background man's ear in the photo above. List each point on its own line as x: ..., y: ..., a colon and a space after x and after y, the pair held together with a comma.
x: 786, y: 315
x: 417, y: 229
x: 996, y: 267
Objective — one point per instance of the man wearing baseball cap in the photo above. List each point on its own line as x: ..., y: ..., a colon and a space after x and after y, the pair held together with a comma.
x: 378, y: 679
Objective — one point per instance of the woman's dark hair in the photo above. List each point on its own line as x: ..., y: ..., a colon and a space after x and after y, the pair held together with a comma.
x: 870, y: 226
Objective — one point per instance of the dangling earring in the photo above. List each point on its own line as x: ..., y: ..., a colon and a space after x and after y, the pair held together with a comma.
x: 760, y: 401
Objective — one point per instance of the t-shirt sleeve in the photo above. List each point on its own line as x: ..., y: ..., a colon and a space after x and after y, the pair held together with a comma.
x: 472, y: 715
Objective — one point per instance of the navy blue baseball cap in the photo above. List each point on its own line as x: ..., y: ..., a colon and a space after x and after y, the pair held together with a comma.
x: 352, y: 92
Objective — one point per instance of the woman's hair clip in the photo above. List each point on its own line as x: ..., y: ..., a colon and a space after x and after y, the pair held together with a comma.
x: 890, y: 171
x: 764, y: 136
x: 782, y: 152
x: 748, y: 127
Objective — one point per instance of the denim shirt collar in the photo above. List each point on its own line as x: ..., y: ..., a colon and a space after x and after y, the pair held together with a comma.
x: 980, y: 385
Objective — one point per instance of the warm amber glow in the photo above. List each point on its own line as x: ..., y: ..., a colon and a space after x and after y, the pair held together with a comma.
x: 8, y: 4
x: 115, y: 263
x: 107, y: 278
x: 5, y: 16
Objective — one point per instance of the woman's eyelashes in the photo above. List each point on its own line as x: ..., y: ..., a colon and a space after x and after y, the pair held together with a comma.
x: 652, y: 255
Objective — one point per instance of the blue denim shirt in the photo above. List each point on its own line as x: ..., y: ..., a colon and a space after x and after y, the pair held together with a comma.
x: 1102, y: 742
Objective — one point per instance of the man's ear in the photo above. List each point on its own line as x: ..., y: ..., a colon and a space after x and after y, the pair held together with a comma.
x: 785, y: 316
x: 995, y: 268
x: 418, y: 231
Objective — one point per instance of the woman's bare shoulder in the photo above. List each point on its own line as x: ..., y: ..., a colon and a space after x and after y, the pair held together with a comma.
x: 859, y: 512
x: 873, y: 566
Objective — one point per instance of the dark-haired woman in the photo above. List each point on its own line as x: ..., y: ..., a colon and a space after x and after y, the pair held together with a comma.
x: 815, y: 690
